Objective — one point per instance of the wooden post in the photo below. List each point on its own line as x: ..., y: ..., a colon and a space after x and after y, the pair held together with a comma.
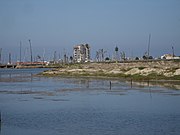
x: 131, y: 83
x: 110, y: 85
x: 148, y: 82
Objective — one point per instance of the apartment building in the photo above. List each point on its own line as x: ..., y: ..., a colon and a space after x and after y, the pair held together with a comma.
x: 81, y: 53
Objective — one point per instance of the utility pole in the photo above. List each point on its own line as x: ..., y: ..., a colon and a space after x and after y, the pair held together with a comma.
x: 173, y: 51
x: 65, y: 57
x: 102, y: 53
x: 149, y: 44
x: 30, y: 50
x: 43, y: 55
x: 54, y: 57
x: 9, y: 58
x: 20, y: 52
x: 0, y: 54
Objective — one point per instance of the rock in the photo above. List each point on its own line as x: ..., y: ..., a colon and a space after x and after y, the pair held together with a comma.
x: 147, y: 71
x: 133, y: 71
x: 115, y: 71
x: 177, y: 72
x: 169, y: 74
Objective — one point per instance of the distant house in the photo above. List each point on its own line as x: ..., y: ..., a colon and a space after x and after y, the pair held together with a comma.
x: 81, y: 53
x: 169, y: 57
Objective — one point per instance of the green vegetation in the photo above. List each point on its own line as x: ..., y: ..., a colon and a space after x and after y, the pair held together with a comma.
x: 176, y: 60
x: 126, y: 69
x: 141, y: 68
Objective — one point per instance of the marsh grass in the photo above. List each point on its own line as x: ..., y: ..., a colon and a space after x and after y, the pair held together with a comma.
x: 141, y: 68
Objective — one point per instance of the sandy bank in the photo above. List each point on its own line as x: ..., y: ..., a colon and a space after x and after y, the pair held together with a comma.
x: 136, y: 70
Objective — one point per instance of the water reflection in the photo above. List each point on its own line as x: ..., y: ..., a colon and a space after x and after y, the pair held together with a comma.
x: 73, y: 106
x: 27, y: 75
x: 30, y: 84
x: 166, y: 84
x: 15, y: 76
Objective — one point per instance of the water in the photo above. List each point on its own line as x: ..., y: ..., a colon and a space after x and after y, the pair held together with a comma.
x: 32, y: 104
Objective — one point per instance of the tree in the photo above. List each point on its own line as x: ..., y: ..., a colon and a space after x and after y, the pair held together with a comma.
x: 145, y: 57
x: 116, y: 49
x: 107, y: 59
x: 71, y: 59
x: 38, y: 58
x: 137, y: 58
x: 150, y: 57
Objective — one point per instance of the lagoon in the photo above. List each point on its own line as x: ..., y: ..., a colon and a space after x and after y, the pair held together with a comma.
x: 31, y: 104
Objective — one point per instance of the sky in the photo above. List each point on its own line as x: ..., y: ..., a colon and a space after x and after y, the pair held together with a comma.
x: 59, y: 25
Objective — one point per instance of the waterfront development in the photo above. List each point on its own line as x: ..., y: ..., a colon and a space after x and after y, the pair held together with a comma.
x: 32, y: 104
x: 89, y: 67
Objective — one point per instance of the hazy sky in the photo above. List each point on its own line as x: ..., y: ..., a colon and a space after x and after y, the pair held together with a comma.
x: 58, y: 25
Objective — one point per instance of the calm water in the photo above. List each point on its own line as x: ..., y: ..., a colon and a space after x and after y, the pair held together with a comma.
x: 77, y: 106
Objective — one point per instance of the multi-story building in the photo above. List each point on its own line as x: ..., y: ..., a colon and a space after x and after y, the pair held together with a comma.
x: 81, y: 53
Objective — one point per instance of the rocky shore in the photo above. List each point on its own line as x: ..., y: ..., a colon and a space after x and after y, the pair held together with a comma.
x: 137, y: 70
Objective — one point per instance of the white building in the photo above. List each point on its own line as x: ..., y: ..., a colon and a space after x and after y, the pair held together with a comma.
x: 81, y: 53
x: 169, y: 57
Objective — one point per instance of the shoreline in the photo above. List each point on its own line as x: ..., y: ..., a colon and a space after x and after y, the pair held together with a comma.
x: 157, y: 71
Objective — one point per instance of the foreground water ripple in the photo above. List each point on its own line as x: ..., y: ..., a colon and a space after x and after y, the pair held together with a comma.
x: 32, y: 104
